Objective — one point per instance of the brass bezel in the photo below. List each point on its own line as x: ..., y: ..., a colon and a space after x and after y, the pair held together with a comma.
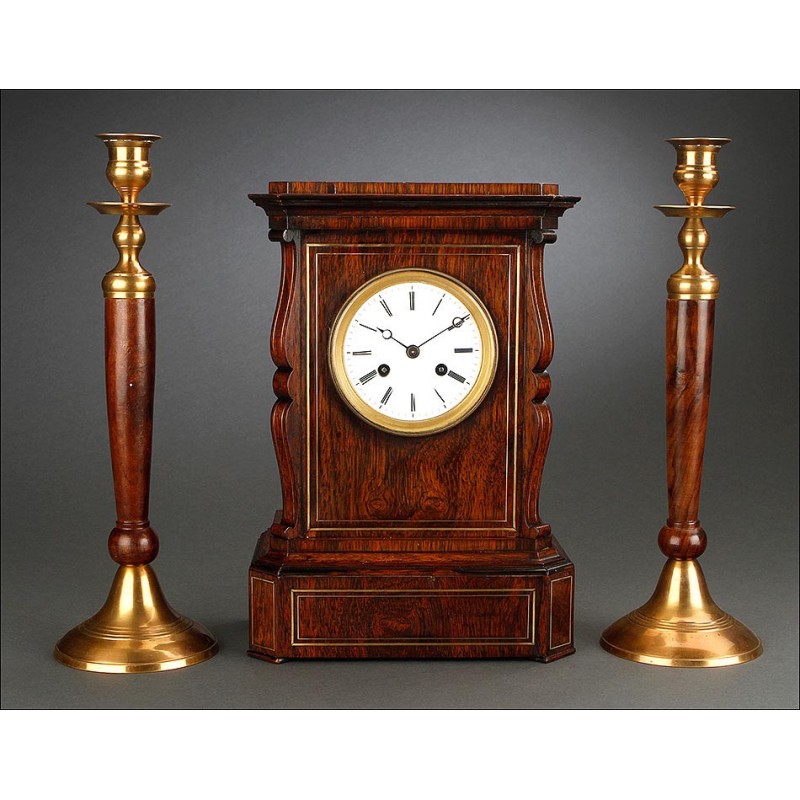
x: 452, y: 416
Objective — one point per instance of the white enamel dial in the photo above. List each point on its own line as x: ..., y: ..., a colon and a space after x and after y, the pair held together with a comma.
x: 413, y: 351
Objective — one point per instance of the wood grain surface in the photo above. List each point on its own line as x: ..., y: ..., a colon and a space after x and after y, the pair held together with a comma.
x: 690, y: 342
x: 130, y: 382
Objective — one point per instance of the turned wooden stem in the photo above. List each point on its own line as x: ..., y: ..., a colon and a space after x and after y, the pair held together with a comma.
x: 690, y: 341
x: 130, y: 382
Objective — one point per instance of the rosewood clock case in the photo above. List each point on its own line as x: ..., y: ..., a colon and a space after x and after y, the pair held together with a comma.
x: 398, y: 546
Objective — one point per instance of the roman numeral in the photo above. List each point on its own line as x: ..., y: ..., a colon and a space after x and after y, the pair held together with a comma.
x: 439, y: 396
x: 368, y: 377
x: 413, y: 403
x: 456, y: 376
x: 462, y: 349
x: 361, y: 353
x: 385, y: 398
x: 386, y: 307
x: 411, y: 300
x: 438, y: 304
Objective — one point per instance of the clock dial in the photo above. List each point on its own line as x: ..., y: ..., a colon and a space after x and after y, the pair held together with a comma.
x: 413, y: 352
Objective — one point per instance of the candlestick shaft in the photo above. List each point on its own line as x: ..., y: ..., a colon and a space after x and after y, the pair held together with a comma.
x: 130, y: 381
x: 690, y: 340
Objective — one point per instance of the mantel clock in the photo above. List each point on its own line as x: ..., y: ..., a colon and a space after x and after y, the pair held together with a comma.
x: 411, y: 339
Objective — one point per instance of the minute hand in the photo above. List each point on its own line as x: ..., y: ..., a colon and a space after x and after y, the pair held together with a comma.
x: 457, y: 323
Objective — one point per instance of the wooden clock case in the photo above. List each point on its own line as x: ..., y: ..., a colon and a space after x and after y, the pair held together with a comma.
x: 393, y: 546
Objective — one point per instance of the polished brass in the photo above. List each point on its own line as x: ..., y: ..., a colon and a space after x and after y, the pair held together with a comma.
x: 129, y: 171
x: 696, y: 171
x: 135, y: 631
x: 693, y: 281
x: 681, y: 626
x: 695, y: 175
x: 452, y: 416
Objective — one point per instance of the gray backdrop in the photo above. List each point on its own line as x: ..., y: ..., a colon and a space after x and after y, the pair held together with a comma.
x: 215, y: 483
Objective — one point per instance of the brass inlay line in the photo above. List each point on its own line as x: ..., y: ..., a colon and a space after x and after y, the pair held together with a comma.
x: 461, y: 527
x: 516, y: 392
x: 421, y: 249
x: 306, y: 265
x: 298, y: 594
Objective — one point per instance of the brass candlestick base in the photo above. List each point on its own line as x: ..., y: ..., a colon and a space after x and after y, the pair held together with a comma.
x: 135, y: 631
x: 681, y: 626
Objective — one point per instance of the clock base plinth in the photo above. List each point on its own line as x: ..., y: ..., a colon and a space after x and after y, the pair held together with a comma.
x: 498, y: 605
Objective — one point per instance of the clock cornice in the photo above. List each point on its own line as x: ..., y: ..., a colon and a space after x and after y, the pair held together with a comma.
x: 322, y: 205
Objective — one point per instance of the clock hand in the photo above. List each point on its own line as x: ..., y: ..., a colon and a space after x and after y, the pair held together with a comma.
x: 457, y: 323
x: 385, y: 331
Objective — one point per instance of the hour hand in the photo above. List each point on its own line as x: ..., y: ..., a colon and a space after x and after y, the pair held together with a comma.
x: 387, y: 334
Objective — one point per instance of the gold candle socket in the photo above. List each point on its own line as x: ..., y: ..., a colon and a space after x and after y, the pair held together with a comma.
x: 136, y: 630
x: 681, y: 626
x: 695, y: 175
x: 129, y: 171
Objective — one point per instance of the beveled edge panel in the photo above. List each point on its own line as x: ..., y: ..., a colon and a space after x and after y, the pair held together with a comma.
x: 260, y: 605
x: 298, y: 594
x: 568, y: 642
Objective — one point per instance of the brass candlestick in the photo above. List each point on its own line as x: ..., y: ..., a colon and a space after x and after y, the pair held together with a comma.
x: 681, y: 626
x: 136, y: 630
